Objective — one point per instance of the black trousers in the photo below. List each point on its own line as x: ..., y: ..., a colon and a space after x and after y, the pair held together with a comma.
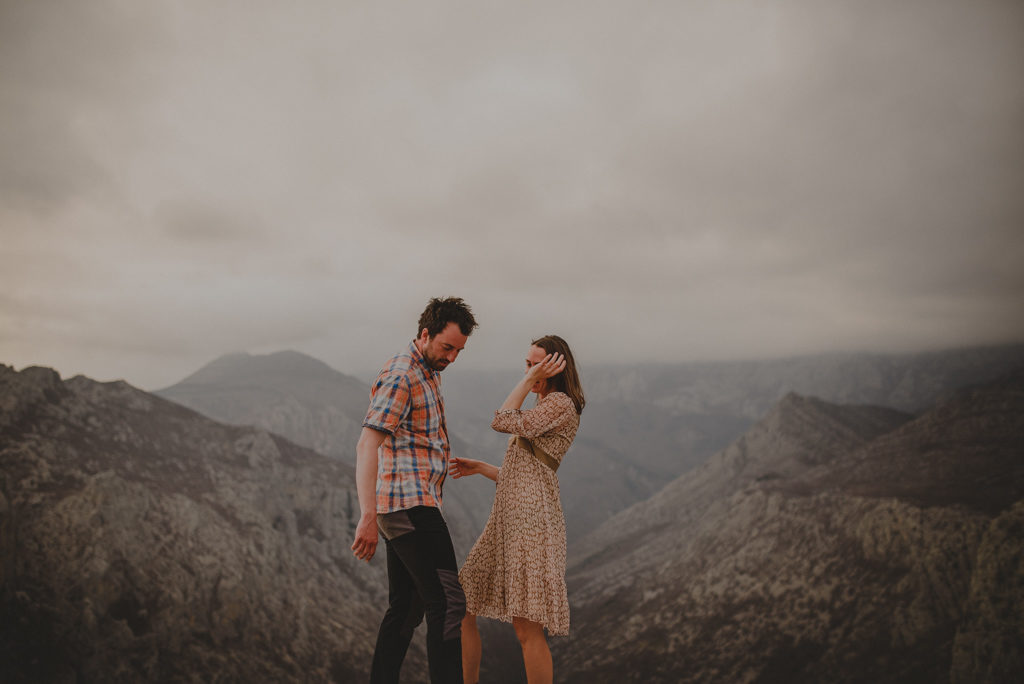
x: 422, y: 577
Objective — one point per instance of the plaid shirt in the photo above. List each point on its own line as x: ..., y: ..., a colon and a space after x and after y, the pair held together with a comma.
x: 406, y: 403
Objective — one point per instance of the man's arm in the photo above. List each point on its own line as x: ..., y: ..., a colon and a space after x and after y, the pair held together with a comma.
x: 365, y: 543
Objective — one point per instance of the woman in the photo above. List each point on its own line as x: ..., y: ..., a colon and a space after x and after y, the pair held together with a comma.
x: 516, y: 570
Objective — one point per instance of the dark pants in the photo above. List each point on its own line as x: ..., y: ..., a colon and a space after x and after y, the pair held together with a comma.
x: 422, y: 576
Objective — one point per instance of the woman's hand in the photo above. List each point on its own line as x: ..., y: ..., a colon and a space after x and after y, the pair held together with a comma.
x: 550, y: 366
x: 461, y: 467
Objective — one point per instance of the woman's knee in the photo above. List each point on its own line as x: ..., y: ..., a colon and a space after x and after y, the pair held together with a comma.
x: 527, y: 631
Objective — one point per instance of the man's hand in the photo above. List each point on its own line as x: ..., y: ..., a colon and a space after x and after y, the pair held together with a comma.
x: 365, y: 544
x: 366, y: 479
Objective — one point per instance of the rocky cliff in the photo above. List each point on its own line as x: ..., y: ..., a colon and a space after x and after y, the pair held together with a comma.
x: 830, y: 543
x: 141, y: 541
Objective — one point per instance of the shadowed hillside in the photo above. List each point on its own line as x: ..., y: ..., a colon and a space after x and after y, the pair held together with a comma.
x: 829, y: 543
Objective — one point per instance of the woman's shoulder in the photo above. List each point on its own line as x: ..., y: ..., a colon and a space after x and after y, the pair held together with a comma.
x: 560, y: 399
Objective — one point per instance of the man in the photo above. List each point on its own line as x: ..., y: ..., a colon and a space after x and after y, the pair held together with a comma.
x: 402, y: 454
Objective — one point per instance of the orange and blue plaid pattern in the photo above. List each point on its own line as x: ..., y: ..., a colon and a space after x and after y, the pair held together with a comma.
x: 406, y: 403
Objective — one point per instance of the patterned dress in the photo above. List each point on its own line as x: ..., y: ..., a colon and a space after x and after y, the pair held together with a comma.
x: 517, y: 566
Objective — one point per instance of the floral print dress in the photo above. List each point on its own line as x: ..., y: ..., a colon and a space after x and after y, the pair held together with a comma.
x: 517, y: 566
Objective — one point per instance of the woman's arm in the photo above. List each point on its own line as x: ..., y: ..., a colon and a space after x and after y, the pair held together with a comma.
x: 461, y: 467
x: 534, y: 422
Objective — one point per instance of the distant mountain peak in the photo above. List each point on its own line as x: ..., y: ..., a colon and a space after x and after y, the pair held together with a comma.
x: 814, y: 421
x: 286, y: 392
x: 238, y: 367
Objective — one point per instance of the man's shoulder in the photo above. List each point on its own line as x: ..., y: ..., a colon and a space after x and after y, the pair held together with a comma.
x: 401, y: 365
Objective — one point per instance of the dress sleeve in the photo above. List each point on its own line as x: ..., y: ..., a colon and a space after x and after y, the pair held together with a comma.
x: 536, y: 421
x: 389, y: 403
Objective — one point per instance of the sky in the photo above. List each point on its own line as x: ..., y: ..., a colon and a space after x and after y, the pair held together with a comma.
x: 654, y: 181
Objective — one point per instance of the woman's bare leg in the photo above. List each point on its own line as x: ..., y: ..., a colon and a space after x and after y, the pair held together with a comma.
x: 536, y: 655
x: 470, y: 650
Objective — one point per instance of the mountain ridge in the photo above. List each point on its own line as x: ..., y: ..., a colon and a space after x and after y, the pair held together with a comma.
x: 286, y: 361
x: 795, y: 429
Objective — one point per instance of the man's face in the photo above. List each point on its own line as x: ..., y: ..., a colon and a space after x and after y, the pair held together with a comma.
x: 443, y: 348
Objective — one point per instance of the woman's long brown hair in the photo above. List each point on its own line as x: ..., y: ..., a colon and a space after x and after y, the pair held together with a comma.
x: 568, y: 381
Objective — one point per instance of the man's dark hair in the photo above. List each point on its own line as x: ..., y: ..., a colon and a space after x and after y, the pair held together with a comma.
x: 440, y: 312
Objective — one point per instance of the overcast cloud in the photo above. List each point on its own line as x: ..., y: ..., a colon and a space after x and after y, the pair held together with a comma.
x: 654, y: 181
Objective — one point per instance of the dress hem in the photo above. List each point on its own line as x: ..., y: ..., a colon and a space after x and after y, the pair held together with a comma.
x: 505, y: 617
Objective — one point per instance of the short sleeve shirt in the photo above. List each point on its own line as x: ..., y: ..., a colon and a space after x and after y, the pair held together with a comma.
x: 406, y: 403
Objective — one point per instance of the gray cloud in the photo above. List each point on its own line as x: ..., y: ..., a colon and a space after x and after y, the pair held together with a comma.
x: 679, y: 180
x: 205, y: 223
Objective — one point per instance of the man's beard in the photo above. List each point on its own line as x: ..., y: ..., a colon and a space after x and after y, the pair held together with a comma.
x: 435, y: 363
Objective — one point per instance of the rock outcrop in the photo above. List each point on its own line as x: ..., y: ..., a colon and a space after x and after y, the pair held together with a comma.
x: 141, y: 541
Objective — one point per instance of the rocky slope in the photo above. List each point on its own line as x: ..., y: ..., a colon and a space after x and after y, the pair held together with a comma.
x: 842, y: 544
x: 798, y: 433
x: 141, y: 541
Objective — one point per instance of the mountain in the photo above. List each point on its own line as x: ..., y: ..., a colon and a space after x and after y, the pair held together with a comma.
x: 141, y: 541
x: 829, y: 543
x: 798, y: 433
x: 963, y: 452
x: 288, y: 393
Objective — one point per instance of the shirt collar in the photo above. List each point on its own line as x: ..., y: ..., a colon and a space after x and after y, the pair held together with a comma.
x: 418, y: 358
